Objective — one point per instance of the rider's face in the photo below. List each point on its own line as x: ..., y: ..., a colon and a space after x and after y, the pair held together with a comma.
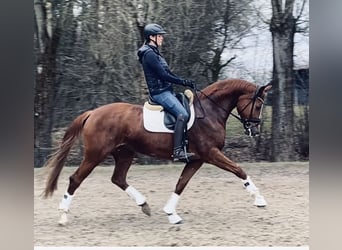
x: 158, y: 39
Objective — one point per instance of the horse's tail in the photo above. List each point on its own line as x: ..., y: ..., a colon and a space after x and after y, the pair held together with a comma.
x: 57, y: 160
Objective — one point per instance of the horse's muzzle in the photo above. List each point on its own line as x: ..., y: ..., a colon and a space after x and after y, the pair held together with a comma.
x: 251, y: 128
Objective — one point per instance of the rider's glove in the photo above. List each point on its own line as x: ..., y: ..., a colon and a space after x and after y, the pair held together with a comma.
x: 189, y: 83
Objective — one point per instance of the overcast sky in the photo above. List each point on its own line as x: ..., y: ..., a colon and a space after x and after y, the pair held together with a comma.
x: 255, y: 61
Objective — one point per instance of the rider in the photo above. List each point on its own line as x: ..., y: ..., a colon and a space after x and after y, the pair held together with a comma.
x: 159, y: 80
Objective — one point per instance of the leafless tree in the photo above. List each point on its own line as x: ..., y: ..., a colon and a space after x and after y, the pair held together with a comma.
x: 46, y: 40
x: 283, y: 26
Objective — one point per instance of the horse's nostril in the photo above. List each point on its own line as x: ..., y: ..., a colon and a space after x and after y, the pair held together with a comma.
x: 255, y: 131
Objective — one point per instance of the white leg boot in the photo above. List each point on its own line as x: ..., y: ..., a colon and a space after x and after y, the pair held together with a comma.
x: 64, y: 205
x: 135, y: 195
x: 170, y: 209
x: 259, y: 200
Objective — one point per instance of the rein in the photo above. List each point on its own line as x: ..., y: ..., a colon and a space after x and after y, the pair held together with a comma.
x: 208, y: 97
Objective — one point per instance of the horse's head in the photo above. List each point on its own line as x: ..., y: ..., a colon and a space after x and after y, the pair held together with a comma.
x: 249, y: 107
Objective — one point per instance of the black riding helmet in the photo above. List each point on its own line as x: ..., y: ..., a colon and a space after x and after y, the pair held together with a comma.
x: 153, y: 29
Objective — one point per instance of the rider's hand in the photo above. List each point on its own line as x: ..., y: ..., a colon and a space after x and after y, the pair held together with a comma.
x: 189, y: 83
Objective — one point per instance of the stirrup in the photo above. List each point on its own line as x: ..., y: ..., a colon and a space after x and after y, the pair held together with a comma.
x: 182, y: 156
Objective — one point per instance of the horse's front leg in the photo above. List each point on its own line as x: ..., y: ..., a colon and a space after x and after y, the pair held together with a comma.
x: 220, y: 160
x: 170, y: 208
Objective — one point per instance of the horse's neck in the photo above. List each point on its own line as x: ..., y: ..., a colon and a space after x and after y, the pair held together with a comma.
x: 220, y: 106
x: 228, y: 99
x: 228, y: 104
x: 225, y: 100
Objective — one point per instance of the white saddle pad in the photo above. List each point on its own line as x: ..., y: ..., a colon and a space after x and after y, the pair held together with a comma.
x: 154, y: 120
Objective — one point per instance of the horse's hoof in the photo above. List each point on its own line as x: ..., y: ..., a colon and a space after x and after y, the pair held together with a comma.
x: 260, y: 201
x: 146, y: 209
x: 63, y: 220
x: 174, y: 218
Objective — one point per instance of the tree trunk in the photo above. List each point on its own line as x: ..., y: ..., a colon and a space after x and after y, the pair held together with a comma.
x: 44, y: 82
x: 283, y: 29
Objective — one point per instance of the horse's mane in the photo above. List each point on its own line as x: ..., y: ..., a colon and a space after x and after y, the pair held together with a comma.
x: 229, y: 85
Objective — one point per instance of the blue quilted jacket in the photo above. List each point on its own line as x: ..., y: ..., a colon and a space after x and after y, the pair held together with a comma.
x: 158, y: 76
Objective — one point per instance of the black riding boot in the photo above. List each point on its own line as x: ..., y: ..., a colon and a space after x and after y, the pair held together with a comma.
x: 178, y: 148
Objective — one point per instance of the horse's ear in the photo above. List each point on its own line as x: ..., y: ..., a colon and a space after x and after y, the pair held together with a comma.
x: 263, y: 89
x: 267, y: 87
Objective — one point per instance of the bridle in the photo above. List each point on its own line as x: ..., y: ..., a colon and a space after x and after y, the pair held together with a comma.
x: 248, y: 123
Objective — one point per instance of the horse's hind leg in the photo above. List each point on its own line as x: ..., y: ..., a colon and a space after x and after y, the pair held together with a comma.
x: 220, y: 160
x: 75, y: 181
x: 123, y: 160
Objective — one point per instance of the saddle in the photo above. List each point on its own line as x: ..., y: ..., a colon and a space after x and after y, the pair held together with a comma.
x: 153, y: 109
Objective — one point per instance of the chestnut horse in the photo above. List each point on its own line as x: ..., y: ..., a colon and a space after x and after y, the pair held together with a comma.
x: 117, y: 129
